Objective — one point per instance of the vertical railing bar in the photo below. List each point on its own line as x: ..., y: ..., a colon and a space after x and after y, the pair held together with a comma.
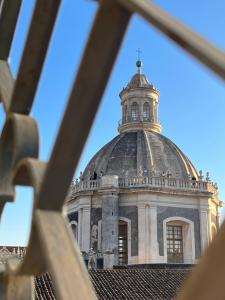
x: 200, y: 48
x: 8, y: 19
x: 34, y: 53
x: 102, y: 48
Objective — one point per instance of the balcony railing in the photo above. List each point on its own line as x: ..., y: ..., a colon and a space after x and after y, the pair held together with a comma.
x: 138, y: 119
x: 148, y: 182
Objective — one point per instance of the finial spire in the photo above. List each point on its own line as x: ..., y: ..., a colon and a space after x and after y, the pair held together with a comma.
x: 139, y: 63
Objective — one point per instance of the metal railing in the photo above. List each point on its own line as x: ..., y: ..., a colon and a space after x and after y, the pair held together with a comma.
x: 50, y: 246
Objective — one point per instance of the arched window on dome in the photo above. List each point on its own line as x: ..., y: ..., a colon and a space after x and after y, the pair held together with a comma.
x: 134, y: 111
x: 146, y: 111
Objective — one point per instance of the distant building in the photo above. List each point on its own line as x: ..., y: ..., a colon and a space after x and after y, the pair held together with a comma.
x: 140, y: 200
x: 11, y: 252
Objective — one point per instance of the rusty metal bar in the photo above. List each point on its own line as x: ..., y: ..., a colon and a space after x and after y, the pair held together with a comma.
x: 35, y: 50
x: 99, y: 56
x: 8, y: 18
x: 193, y: 43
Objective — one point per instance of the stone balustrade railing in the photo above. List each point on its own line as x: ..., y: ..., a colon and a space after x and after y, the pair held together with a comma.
x: 137, y: 119
x: 160, y: 182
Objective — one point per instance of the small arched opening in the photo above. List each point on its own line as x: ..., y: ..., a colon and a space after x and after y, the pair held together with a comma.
x: 146, y: 111
x: 134, y: 111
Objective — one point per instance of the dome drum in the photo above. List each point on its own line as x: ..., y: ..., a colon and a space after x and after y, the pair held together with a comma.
x: 142, y: 125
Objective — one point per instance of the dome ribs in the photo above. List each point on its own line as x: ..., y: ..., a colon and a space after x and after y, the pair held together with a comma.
x: 141, y: 153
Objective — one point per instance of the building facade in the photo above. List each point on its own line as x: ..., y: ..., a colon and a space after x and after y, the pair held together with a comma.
x: 140, y: 199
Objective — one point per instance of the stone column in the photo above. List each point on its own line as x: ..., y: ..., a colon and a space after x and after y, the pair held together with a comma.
x: 141, y: 234
x: 141, y: 111
x: 154, y: 248
x: 110, y: 217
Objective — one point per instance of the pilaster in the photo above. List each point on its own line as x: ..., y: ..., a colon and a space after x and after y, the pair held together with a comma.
x: 204, y: 226
x: 86, y: 222
x: 141, y: 234
x: 154, y: 248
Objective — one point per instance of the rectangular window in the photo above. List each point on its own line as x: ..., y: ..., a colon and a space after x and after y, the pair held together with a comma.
x: 174, y: 236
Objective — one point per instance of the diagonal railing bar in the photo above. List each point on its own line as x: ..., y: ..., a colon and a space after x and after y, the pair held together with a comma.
x: 6, y: 83
x: 35, y: 50
x: 8, y: 20
x: 193, y: 43
x: 109, y: 26
x: 63, y: 261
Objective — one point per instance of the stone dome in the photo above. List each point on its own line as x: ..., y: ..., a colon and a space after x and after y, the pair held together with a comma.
x: 139, y: 80
x: 141, y: 153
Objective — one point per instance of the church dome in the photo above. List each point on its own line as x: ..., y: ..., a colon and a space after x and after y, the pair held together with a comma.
x: 139, y: 80
x: 141, y: 153
x: 140, y: 149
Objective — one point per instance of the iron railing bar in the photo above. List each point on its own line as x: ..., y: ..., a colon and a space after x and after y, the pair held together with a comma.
x: 6, y: 83
x: 62, y: 261
x: 8, y: 20
x: 193, y: 43
x: 34, y: 53
x: 101, y: 50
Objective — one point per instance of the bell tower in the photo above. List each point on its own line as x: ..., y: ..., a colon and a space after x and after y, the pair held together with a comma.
x: 139, y: 100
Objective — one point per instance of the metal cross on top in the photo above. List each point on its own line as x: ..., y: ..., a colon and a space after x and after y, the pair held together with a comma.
x: 139, y: 52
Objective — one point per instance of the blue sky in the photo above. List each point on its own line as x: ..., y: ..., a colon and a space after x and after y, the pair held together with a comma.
x: 192, y: 101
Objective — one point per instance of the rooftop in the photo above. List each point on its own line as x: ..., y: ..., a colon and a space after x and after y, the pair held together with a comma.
x: 130, y: 284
